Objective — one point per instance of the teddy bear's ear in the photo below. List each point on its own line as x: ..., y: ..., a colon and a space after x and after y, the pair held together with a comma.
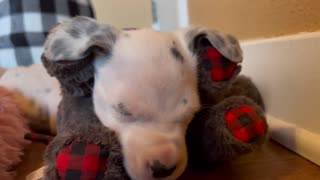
x: 70, y: 50
x: 78, y: 37
x: 218, y: 54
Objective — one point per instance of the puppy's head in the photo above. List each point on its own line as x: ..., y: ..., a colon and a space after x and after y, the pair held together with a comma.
x: 146, y: 86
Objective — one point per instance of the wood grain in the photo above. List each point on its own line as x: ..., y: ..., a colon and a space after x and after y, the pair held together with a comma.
x: 271, y: 162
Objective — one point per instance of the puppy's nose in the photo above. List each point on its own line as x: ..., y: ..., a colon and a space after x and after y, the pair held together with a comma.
x: 161, y: 171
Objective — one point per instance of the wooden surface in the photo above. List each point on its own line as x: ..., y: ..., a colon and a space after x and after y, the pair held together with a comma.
x: 32, y: 160
x: 272, y: 162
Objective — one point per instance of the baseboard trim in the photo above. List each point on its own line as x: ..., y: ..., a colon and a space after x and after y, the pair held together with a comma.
x: 299, y: 140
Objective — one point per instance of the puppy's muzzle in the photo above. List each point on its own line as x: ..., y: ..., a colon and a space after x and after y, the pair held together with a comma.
x: 153, y: 155
x: 161, y: 171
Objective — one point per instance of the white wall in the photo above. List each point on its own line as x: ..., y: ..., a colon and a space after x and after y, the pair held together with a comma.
x: 287, y: 72
x: 172, y: 14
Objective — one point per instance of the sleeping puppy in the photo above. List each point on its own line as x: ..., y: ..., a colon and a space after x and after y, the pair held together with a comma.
x: 145, y: 90
x: 145, y: 87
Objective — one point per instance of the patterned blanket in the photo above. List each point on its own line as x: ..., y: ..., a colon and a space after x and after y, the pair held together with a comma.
x: 25, y: 24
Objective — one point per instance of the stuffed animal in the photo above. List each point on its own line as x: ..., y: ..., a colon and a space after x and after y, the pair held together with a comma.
x: 83, y: 148
x: 231, y: 121
x: 139, y: 103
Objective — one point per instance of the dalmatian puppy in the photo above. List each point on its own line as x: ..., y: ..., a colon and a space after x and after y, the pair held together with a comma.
x: 145, y: 86
x: 145, y: 89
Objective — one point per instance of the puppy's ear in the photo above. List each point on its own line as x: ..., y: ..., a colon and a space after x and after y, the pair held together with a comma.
x: 70, y: 50
x: 218, y: 54
x: 77, y: 38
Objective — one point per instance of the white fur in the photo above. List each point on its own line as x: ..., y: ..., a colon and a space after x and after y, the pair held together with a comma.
x: 152, y: 84
x: 35, y: 85
x: 142, y: 74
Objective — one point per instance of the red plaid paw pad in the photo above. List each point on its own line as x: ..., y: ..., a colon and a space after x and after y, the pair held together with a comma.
x: 82, y: 160
x: 220, y: 68
x: 244, y: 123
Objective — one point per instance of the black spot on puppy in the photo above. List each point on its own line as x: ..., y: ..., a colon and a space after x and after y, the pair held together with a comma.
x: 175, y: 52
x: 122, y: 109
x: 47, y: 90
x: 184, y: 101
x: 126, y: 35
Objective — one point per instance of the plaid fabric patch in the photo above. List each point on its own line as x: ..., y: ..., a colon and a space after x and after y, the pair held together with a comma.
x: 82, y: 160
x: 220, y: 67
x: 25, y: 24
x: 244, y: 123
x: 38, y: 137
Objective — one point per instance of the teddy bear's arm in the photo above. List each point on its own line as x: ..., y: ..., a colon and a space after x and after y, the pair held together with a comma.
x: 231, y: 122
x: 242, y: 86
x: 116, y: 170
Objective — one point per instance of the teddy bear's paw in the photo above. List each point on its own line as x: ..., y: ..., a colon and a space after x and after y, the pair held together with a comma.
x: 82, y: 160
x: 243, y: 119
x: 233, y: 127
x: 245, y: 123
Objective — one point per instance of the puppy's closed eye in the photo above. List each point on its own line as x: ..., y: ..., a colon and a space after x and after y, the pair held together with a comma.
x: 122, y: 109
x: 184, y: 101
x: 176, y: 54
